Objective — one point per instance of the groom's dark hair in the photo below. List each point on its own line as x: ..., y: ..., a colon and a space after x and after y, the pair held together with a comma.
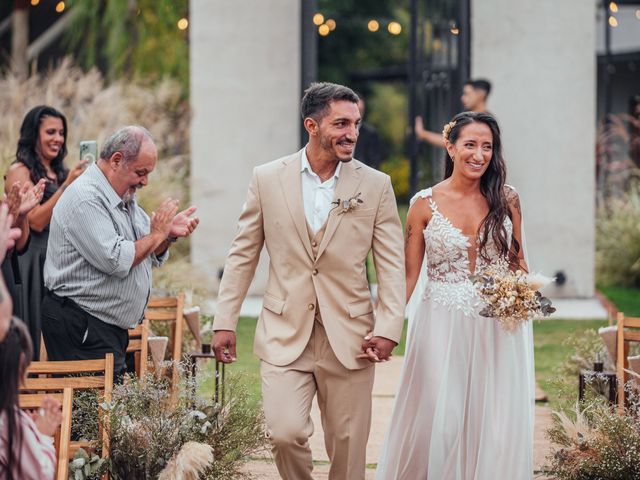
x: 319, y: 96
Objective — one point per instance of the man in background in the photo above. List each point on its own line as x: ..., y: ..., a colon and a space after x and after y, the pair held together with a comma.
x: 368, y: 145
x: 474, y: 99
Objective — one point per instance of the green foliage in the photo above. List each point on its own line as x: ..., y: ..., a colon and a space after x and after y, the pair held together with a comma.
x: 146, y: 429
x: 135, y: 39
x: 86, y: 467
x: 618, y: 241
x: 351, y: 46
x: 398, y: 169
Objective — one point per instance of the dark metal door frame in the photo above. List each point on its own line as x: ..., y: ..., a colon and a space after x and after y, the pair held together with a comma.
x: 439, y: 64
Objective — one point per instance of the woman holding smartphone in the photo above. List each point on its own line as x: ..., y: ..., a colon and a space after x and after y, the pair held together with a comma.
x: 41, y: 150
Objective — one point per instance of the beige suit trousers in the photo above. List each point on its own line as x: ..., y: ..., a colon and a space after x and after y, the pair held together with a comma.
x: 344, y: 398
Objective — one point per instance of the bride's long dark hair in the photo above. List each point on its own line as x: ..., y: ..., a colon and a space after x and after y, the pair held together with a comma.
x: 492, y: 186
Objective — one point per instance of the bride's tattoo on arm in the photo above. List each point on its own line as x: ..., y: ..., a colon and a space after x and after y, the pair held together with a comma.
x: 514, y: 201
x: 408, y: 235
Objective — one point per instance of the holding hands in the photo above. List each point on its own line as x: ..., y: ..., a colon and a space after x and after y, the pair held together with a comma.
x: 376, y: 349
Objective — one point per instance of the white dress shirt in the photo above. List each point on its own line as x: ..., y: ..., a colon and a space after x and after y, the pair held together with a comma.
x: 317, y: 195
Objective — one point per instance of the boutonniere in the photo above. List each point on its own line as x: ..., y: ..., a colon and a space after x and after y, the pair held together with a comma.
x: 348, y: 204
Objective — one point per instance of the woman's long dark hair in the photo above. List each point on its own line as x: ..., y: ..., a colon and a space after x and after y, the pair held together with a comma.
x: 492, y: 186
x: 26, y: 152
x: 15, y: 355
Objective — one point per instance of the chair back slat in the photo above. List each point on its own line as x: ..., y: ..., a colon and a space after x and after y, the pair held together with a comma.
x: 632, y: 322
x: 170, y: 309
x: 67, y: 367
x: 60, y: 383
x: 160, y: 315
x: 624, y: 336
x: 28, y: 401
x: 139, y: 346
x: 164, y: 302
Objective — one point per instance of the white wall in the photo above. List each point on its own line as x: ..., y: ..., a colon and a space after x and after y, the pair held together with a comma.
x: 245, y: 93
x: 540, y: 57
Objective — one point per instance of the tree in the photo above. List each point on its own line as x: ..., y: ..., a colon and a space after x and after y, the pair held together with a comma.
x: 140, y: 39
x: 20, y: 37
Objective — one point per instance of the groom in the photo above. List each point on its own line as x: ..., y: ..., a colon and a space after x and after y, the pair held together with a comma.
x: 319, y: 212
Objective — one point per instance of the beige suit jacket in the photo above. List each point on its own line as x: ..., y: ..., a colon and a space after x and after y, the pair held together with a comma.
x: 273, y: 215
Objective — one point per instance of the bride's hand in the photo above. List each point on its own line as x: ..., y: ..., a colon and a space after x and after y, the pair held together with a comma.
x: 376, y: 349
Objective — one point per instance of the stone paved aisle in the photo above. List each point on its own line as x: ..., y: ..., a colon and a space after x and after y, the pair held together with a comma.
x: 387, y: 375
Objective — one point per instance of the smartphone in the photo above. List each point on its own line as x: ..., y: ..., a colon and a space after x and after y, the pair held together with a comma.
x: 89, y: 150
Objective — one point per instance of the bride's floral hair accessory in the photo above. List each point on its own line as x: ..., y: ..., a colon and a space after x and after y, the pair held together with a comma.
x: 447, y: 130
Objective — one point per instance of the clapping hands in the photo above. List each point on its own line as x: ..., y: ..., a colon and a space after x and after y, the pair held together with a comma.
x: 24, y: 198
x: 183, y: 223
x: 171, y: 223
x: 8, y: 235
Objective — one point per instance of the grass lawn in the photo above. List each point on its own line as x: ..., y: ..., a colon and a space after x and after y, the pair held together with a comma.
x: 626, y: 299
x: 549, y: 351
x: 548, y: 338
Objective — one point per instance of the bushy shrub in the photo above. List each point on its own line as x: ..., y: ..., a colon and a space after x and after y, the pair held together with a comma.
x: 618, y: 241
x: 147, y: 428
x: 600, y: 444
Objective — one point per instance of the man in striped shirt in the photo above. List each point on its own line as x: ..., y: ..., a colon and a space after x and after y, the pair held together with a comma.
x: 101, y: 248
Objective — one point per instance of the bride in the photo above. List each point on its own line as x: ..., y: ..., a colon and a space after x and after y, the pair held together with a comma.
x: 464, y: 408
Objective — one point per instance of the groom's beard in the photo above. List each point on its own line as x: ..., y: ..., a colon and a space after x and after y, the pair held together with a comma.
x: 327, y: 145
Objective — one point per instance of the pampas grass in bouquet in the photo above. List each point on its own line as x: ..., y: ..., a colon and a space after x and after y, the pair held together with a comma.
x: 512, y: 297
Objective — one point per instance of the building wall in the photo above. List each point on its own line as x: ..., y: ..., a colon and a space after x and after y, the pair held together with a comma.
x: 245, y: 91
x: 540, y: 57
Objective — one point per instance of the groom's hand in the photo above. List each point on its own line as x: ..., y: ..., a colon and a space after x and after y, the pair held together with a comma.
x: 376, y: 349
x: 224, y: 346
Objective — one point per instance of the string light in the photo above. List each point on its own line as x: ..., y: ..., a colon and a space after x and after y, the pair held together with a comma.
x: 35, y: 2
x: 613, y: 21
x: 318, y: 19
x: 394, y: 28
x: 183, y: 24
x: 638, y: 14
x: 455, y: 30
x: 331, y: 23
x: 60, y: 7
x: 324, y: 30
x: 613, y: 6
x: 373, y: 25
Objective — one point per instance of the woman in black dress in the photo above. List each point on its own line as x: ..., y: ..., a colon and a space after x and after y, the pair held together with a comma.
x: 41, y: 150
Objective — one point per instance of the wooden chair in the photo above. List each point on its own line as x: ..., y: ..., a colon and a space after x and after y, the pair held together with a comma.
x: 628, y: 331
x: 32, y: 401
x: 40, y: 378
x: 139, y: 345
x: 169, y: 309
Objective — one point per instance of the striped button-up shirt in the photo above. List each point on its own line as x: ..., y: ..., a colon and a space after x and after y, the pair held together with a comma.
x: 91, y: 251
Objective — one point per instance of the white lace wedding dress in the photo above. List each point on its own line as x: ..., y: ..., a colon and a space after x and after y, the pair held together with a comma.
x: 464, y: 407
